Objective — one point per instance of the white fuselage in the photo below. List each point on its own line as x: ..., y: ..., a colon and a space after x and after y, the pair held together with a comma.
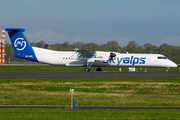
x: 101, y: 59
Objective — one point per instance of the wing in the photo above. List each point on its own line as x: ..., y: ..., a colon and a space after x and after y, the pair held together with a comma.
x: 86, y: 52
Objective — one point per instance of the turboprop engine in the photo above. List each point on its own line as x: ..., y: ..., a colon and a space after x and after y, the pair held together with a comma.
x: 112, y: 55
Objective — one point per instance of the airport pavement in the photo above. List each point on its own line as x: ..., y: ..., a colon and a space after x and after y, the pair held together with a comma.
x: 88, y: 74
x: 88, y: 107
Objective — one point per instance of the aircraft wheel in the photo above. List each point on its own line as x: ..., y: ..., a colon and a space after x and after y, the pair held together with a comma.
x: 167, y: 70
x: 98, y: 69
x: 86, y: 69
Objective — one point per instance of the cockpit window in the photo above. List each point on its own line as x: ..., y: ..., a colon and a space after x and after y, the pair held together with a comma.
x: 161, y: 57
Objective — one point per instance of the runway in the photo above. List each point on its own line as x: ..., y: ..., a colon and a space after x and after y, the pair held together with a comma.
x: 88, y: 107
x: 88, y: 74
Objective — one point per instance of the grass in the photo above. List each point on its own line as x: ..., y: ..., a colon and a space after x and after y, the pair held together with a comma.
x: 63, y: 114
x: 88, y: 92
x: 64, y: 68
x: 91, y: 92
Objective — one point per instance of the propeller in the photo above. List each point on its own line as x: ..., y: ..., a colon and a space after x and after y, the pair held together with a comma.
x: 112, y: 55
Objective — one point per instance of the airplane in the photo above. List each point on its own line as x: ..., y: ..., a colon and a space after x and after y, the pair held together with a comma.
x: 81, y: 57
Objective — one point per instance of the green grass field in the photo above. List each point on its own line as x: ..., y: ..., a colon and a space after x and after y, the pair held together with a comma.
x: 63, y: 114
x: 88, y: 92
x: 64, y: 68
x: 91, y: 92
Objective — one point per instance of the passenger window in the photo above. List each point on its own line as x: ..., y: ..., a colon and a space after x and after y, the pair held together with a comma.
x: 164, y: 57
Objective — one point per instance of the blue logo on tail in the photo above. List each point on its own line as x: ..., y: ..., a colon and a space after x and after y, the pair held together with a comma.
x: 20, y: 44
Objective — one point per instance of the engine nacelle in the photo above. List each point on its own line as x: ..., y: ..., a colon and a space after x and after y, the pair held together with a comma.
x: 112, y: 55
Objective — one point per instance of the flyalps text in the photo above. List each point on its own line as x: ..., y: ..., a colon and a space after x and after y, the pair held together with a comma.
x: 127, y: 60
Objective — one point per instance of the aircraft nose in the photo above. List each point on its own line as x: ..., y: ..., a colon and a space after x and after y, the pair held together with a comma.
x: 172, y: 64
x: 175, y: 65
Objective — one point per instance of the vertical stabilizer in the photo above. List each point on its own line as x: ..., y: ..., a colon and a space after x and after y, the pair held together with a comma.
x: 21, y: 45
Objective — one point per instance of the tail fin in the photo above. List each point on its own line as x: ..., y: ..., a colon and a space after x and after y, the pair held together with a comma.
x: 21, y: 45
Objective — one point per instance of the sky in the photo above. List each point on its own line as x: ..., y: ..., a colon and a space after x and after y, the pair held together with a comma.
x: 94, y: 21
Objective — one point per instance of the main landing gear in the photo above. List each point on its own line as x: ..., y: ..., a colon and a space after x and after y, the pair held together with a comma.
x: 98, y: 69
x: 89, y: 64
x: 88, y: 67
x: 167, y: 70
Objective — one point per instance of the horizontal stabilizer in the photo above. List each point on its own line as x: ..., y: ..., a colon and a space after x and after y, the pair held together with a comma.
x: 15, y: 29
